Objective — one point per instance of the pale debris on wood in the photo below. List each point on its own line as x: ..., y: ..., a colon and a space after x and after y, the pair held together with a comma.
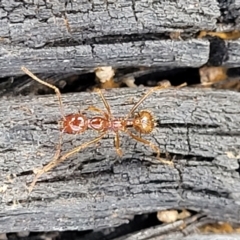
x: 232, y: 35
x: 176, y: 35
x: 219, y: 227
x: 169, y: 216
x: 3, y: 188
x: 233, y: 155
x: 50, y: 236
x: 130, y: 81
x: 164, y: 83
x: 210, y: 75
x: 23, y: 234
x: 104, y: 74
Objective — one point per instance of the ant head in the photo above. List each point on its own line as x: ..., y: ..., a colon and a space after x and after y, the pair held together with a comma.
x: 143, y: 122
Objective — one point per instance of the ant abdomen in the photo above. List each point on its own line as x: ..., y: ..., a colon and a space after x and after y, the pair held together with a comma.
x: 144, y: 122
x: 74, y: 123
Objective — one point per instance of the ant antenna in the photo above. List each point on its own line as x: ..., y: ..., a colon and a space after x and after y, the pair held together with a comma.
x: 24, y: 69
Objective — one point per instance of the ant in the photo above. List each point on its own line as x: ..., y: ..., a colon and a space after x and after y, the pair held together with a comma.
x: 142, y: 122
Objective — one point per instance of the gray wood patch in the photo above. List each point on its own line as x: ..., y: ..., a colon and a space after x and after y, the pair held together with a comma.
x: 168, y: 53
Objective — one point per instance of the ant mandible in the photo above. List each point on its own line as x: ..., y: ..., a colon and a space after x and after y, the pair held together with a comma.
x: 143, y: 122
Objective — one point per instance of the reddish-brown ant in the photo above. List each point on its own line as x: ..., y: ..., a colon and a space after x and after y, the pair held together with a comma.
x: 143, y: 122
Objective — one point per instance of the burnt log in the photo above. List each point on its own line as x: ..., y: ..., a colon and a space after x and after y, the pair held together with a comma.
x: 197, y: 128
x: 71, y: 36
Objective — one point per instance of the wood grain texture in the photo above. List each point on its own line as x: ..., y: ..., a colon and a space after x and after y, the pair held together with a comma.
x: 37, y: 24
x: 72, y: 59
x: 95, y: 189
x: 70, y: 36
x: 233, y: 54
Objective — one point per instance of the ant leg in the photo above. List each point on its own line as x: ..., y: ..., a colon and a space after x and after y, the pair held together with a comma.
x: 150, y: 144
x: 150, y: 91
x: 57, y: 91
x: 40, y: 172
x: 117, y: 144
x: 105, y: 102
x: 95, y: 109
x: 57, y: 161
